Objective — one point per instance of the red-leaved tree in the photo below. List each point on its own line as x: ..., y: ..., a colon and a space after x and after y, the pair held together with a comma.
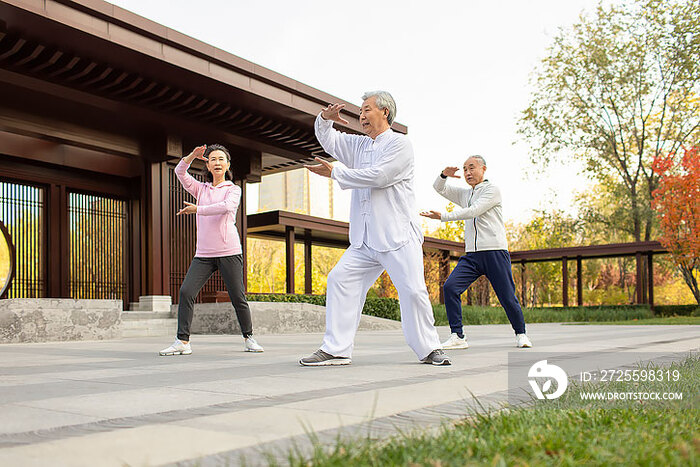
x: 677, y: 203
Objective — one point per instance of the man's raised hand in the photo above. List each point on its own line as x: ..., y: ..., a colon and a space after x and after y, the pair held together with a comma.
x: 332, y: 112
x: 450, y: 172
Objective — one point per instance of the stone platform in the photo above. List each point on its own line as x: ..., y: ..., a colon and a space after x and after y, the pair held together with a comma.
x: 58, y: 319
x: 49, y: 320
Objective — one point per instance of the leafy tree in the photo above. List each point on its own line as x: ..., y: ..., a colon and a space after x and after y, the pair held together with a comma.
x: 677, y: 201
x: 617, y: 90
x: 547, y: 229
x: 604, y: 212
x: 452, y: 230
x: 266, y: 266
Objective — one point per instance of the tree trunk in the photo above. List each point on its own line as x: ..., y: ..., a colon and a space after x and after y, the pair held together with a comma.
x: 636, y: 217
x: 689, y: 278
x: 483, y: 292
x: 652, y: 184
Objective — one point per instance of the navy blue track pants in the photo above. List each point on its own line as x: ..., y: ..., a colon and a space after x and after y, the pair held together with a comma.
x: 495, y: 265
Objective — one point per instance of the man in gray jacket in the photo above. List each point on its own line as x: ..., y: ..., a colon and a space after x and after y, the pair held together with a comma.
x: 486, y: 248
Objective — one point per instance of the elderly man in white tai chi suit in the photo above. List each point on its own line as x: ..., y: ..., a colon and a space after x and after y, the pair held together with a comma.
x: 384, y: 231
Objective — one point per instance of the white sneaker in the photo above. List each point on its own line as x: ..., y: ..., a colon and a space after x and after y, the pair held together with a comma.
x: 522, y: 341
x: 252, y: 346
x: 177, y: 348
x: 454, y: 342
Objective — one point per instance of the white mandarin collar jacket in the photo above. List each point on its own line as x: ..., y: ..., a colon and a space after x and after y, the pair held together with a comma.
x: 380, y: 174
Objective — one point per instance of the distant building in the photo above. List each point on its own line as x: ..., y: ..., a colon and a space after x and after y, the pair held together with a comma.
x: 303, y: 192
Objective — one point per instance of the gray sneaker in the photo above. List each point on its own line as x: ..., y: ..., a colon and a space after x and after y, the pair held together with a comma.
x: 437, y: 357
x: 321, y: 358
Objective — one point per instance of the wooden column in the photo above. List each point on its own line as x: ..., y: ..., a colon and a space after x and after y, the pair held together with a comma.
x: 579, y: 281
x: 157, y: 239
x: 644, y: 279
x: 523, y: 283
x: 289, y: 248
x: 134, y: 252
x: 308, y: 280
x: 650, y: 274
x: 565, y: 281
x: 57, y: 246
x: 640, y: 298
x: 165, y: 228
x: 246, y: 165
x: 444, y: 272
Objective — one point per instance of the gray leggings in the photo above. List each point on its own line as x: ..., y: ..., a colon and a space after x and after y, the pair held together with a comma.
x: 201, y: 269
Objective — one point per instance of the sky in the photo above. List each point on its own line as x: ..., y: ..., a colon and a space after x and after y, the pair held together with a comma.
x: 458, y: 70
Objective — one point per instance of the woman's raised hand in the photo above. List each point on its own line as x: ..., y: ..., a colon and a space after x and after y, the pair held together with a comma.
x: 197, y: 153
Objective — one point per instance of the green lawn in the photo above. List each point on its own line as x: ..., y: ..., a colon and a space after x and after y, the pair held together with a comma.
x: 666, y: 320
x: 567, y: 431
x: 472, y: 315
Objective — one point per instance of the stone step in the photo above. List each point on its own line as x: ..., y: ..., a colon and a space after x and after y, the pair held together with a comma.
x: 130, y: 315
x: 148, y: 327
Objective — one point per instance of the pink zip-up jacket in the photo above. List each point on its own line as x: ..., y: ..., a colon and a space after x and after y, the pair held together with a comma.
x: 216, y: 214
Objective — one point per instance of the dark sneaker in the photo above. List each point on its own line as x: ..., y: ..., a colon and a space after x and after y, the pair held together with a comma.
x: 321, y: 358
x: 437, y: 357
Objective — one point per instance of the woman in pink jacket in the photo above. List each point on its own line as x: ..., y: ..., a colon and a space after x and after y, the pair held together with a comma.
x: 218, y: 244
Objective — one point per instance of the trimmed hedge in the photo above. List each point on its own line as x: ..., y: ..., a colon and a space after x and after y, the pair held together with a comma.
x: 374, y: 306
x: 472, y: 315
x: 677, y: 310
x: 292, y: 298
x: 382, y: 308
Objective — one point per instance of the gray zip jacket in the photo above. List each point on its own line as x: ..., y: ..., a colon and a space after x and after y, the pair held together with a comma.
x: 481, y: 211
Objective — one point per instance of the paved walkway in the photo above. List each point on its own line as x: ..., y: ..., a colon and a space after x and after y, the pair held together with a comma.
x: 118, y: 403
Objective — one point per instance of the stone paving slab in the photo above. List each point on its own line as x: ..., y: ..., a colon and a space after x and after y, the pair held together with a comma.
x: 119, y: 403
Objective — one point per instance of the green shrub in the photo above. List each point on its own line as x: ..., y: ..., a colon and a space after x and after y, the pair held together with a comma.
x: 677, y: 310
x: 292, y: 298
x: 374, y: 306
x: 382, y: 308
x: 473, y: 315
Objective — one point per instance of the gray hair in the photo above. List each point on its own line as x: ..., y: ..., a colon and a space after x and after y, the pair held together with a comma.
x: 481, y: 159
x: 384, y: 101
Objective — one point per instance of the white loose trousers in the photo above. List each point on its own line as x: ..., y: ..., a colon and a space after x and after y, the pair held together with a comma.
x: 351, y: 279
